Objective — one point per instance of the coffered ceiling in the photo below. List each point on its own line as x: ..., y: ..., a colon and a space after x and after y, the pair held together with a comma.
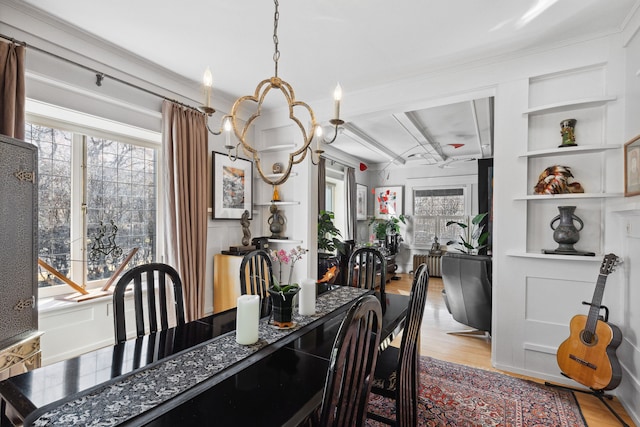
x: 360, y: 44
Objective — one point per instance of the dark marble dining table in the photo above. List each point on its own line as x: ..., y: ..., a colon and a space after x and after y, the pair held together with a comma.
x: 277, y: 384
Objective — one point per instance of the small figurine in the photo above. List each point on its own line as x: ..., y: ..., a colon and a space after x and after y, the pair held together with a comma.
x: 246, y: 233
x: 435, y: 247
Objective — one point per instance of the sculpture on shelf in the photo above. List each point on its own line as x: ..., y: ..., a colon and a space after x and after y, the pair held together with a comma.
x: 565, y: 233
x: 555, y: 180
x: 276, y: 223
x: 436, y: 249
x: 246, y: 233
x: 567, y: 130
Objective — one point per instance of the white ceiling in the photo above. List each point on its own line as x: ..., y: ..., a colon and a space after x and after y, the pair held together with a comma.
x: 361, y: 44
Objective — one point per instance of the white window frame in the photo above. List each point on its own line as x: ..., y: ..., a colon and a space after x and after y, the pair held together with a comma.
x: 466, y: 194
x: 82, y: 125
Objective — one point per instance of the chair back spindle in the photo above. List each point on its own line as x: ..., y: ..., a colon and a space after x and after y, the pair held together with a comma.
x: 367, y: 269
x: 256, y: 272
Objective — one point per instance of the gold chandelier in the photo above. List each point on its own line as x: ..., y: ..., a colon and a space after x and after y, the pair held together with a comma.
x: 233, y: 121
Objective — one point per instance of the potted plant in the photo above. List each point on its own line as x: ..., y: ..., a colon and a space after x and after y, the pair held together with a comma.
x: 328, y: 245
x: 384, y: 227
x: 473, y: 237
x: 282, y: 294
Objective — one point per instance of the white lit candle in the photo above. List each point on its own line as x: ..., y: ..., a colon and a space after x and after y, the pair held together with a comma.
x: 227, y: 133
x: 207, y: 81
x: 307, y: 298
x: 337, y: 96
x: 247, y: 319
x: 318, y: 137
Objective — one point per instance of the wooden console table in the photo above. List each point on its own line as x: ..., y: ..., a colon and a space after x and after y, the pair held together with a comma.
x: 226, y: 281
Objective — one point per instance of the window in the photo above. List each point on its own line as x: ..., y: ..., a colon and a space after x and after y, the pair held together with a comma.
x: 97, y: 202
x: 432, y: 209
x: 330, y: 196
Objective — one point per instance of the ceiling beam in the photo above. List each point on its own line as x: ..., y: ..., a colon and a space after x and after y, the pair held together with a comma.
x: 353, y: 132
x: 410, y: 124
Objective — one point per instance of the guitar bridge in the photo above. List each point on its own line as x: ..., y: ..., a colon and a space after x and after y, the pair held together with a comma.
x: 583, y: 362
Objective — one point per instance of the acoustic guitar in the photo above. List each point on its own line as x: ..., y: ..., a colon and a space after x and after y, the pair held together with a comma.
x: 588, y: 356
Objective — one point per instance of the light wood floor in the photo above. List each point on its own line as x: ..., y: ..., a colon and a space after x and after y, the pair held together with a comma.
x: 474, y: 351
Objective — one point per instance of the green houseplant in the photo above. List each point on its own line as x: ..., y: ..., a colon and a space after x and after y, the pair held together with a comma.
x: 328, y: 233
x: 473, y: 237
x: 384, y: 227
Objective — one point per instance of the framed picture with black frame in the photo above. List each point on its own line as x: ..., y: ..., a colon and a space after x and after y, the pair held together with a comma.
x: 231, y: 186
x: 361, y: 202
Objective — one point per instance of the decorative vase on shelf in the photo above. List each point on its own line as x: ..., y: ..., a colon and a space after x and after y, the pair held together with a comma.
x: 567, y: 130
x: 565, y: 232
x: 282, y: 307
x: 276, y: 223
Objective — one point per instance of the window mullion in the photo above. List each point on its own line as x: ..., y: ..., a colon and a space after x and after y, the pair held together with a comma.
x: 78, y: 214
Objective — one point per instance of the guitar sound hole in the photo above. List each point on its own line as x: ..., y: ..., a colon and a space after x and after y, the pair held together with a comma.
x: 588, y: 338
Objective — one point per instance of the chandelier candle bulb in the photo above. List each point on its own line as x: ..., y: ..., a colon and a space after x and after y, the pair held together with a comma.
x: 227, y: 134
x: 307, y: 298
x: 207, y: 80
x: 247, y: 319
x: 337, y: 96
x: 318, y: 137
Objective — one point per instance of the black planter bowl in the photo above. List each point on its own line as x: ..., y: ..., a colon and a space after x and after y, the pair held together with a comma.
x: 282, y: 307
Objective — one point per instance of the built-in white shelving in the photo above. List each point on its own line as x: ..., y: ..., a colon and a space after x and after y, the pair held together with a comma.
x: 279, y: 203
x: 580, y: 149
x: 276, y: 148
x: 568, y: 196
x: 275, y: 175
x: 596, y: 258
x: 291, y: 241
x: 543, y: 115
x: 570, y: 105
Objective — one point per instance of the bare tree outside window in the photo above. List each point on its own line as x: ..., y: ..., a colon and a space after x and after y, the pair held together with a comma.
x: 432, y: 209
x: 120, y: 195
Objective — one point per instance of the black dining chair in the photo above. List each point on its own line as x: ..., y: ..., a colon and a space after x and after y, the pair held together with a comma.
x: 367, y: 269
x: 155, y: 288
x: 353, y: 360
x: 397, y: 370
x: 256, y: 276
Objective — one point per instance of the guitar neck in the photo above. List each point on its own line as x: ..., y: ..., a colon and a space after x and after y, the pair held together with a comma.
x: 596, y: 302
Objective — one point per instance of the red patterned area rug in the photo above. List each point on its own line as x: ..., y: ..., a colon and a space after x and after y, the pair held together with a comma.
x: 456, y: 395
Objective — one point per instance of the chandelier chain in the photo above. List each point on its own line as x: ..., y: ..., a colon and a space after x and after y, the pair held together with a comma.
x: 276, y: 54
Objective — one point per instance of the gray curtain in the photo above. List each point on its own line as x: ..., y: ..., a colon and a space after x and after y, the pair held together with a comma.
x: 322, y: 184
x: 12, y: 91
x: 184, y: 139
x: 350, y: 192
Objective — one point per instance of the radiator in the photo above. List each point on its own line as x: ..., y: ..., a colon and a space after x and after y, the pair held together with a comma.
x: 434, y: 264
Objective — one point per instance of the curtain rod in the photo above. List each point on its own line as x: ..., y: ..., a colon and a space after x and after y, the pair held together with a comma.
x: 340, y: 162
x: 99, y: 74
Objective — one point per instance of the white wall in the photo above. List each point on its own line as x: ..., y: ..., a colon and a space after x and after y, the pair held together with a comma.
x: 625, y: 214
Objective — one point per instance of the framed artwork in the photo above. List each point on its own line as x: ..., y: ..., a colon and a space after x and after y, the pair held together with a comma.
x: 232, y: 186
x: 361, y: 202
x: 388, y: 201
x: 632, y: 167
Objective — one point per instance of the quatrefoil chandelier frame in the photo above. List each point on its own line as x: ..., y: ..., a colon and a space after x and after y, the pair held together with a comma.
x: 233, y: 121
